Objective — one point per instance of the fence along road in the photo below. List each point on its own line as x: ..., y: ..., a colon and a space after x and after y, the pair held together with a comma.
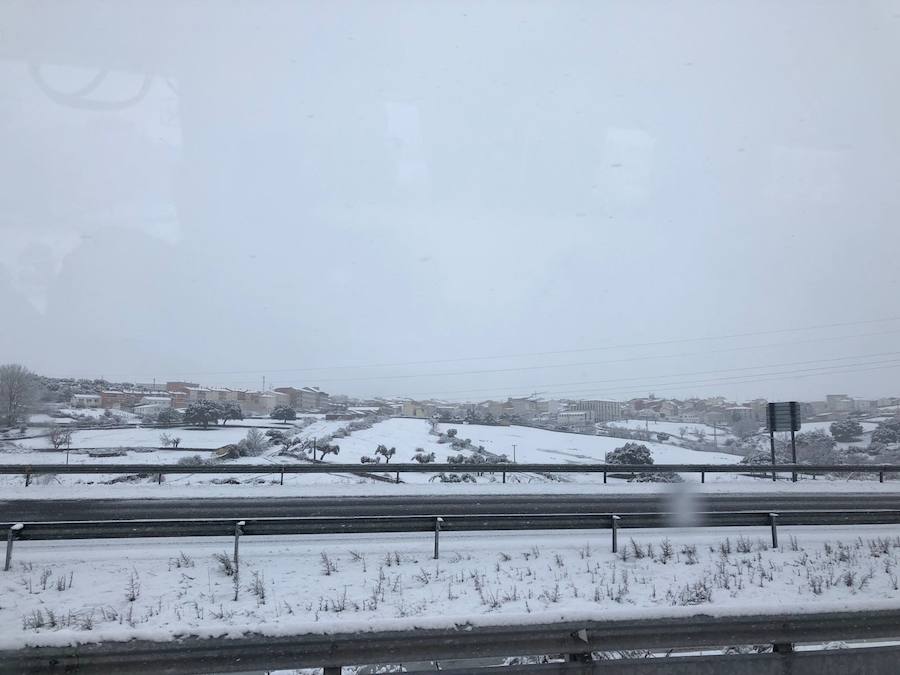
x: 447, y: 505
x: 574, y: 640
x: 318, y: 525
x: 159, y: 470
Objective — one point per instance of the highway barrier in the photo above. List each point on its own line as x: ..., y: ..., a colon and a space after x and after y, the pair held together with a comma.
x: 159, y: 470
x: 673, y: 644
x: 437, y: 523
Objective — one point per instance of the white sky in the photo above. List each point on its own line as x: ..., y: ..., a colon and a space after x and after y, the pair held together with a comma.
x: 261, y: 188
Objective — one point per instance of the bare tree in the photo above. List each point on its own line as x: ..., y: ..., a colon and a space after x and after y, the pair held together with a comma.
x: 18, y: 391
x: 60, y: 436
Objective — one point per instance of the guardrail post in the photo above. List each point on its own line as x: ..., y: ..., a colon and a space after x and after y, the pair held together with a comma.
x: 27, y: 478
x: 159, y: 478
x: 504, y: 477
x: 282, y: 475
x: 881, y: 476
x: 398, y: 477
x: 238, y: 531
x: 702, y: 476
x: 615, y: 534
x: 10, y: 538
x: 604, y: 478
x: 437, y: 536
x: 773, y: 520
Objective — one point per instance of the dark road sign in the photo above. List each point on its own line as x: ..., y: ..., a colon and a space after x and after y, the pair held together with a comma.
x: 783, y: 416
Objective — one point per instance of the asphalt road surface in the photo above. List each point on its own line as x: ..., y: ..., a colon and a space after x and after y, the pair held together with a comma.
x: 117, y: 509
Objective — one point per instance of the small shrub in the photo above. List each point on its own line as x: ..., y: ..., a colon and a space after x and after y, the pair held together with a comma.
x: 133, y: 589
x: 328, y: 565
x: 696, y: 593
x: 690, y: 554
x: 258, y: 588
x: 225, y: 563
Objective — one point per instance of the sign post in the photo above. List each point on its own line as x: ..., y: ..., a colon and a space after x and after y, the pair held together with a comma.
x: 784, y: 417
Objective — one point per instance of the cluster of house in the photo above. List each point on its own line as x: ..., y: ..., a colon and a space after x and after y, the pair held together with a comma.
x: 149, y: 401
x: 842, y: 404
x: 575, y: 414
x: 569, y: 413
x: 585, y: 414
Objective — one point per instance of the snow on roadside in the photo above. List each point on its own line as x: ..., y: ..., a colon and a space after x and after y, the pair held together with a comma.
x: 198, y: 486
x: 73, y: 592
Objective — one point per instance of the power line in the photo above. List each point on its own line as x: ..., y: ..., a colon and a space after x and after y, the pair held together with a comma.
x: 740, y: 379
x: 698, y: 372
x: 632, y: 345
x: 837, y: 370
x: 484, y: 371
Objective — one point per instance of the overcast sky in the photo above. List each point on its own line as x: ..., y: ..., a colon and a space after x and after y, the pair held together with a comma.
x: 221, y: 191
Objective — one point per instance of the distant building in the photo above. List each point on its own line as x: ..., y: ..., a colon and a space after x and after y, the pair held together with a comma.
x: 86, y: 401
x: 759, y: 407
x: 151, y: 406
x: 521, y: 407
x: 308, y: 399
x: 180, y: 386
x: 839, y: 403
x: 574, y: 418
x: 416, y: 409
x: 668, y: 409
x: 598, y: 410
x: 251, y: 402
x: 738, y: 412
x: 493, y: 408
x: 865, y: 405
x: 123, y: 399
x: 156, y: 400
x: 312, y: 398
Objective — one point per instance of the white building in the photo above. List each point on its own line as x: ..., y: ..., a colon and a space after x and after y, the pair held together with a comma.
x: 150, y: 409
x: 598, y: 410
x: 251, y: 402
x: 86, y: 401
x: 573, y: 418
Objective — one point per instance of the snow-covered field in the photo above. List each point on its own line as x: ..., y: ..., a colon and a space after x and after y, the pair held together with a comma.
x: 146, y: 456
x: 406, y: 435
x: 532, y: 445
x: 541, y: 446
x: 673, y: 428
x: 86, y: 591
x: 212, y: 438
x: 97, y: 413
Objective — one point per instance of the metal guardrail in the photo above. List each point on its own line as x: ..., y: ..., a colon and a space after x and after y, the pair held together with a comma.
x: 318, y: 525
x: 576, y: 641
x: 159, y: 470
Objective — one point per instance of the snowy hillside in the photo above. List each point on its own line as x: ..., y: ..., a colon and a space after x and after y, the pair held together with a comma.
x: 532, y: 445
